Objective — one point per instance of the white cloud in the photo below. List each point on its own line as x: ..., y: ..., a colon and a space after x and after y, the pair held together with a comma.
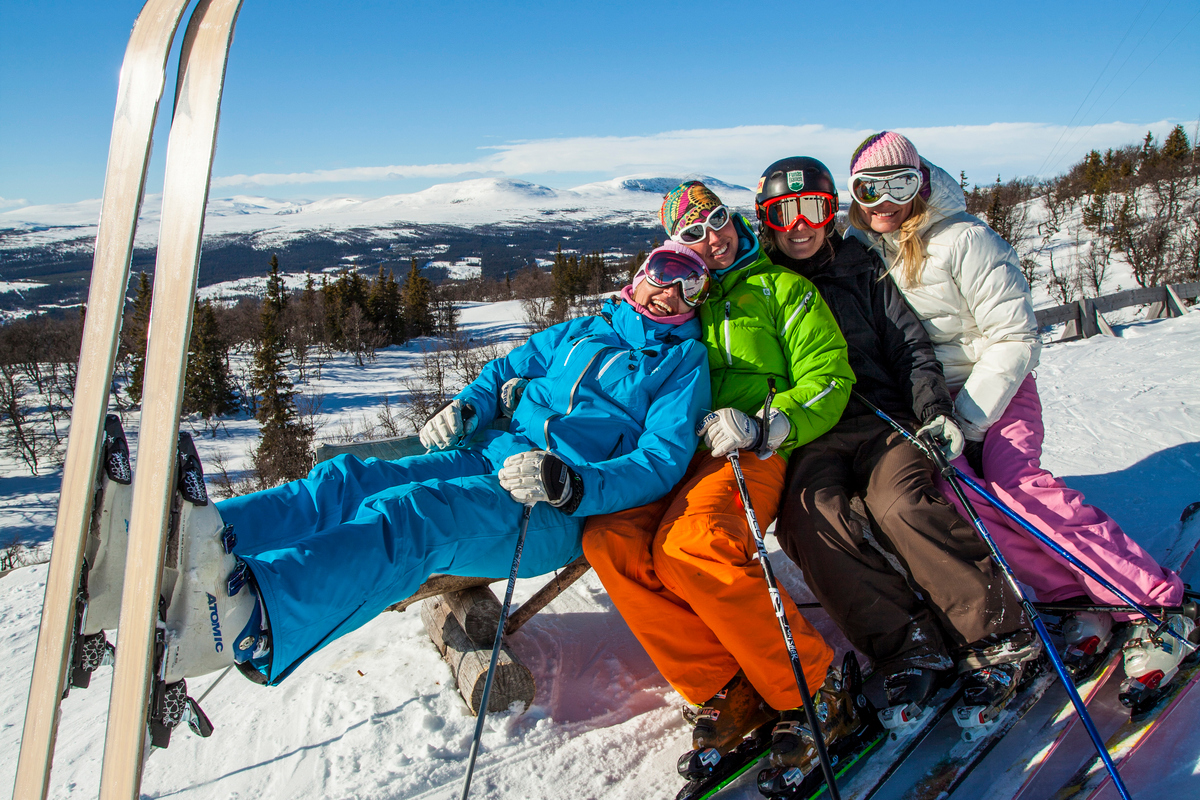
x: 741, y: 153
x: 16, y: 203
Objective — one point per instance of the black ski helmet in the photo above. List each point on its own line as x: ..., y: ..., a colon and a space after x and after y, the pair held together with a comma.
x: 792, y: 176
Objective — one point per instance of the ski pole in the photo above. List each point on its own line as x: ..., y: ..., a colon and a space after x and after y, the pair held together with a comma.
x: 491, y: 673
x: 1025, y: 525
x: 777, y: 599
x: 948, y: 472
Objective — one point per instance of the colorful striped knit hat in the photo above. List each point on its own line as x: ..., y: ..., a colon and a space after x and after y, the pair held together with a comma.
x: 885, y: 149
x: 685, y: 205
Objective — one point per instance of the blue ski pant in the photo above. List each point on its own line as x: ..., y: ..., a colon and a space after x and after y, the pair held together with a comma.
x: 331, y: 551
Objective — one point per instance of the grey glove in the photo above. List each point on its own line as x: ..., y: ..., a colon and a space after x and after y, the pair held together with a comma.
x: 510, y: 395
x: 537, y: 476
x: 450, y: 427
x: 943, y: 432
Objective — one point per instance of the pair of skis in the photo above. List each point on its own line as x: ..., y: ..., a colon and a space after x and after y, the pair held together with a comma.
x: 190, y: 150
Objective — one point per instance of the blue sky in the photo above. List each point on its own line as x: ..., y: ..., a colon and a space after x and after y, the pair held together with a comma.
x: 375, y: 98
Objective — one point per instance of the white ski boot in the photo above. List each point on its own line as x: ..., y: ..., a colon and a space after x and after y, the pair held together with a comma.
x: 1152, y: 658
x: 210, y: 614
x: 1087, y: 634
x: 98, y: 601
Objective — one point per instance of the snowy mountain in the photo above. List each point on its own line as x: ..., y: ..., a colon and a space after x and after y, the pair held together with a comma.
x: 507, y: 224
x: 482, y: 201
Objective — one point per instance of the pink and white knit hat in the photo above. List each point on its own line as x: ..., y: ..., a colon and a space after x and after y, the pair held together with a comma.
x: 882, y: 150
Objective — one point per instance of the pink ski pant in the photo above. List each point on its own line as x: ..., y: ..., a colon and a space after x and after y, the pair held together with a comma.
x: 1012, y: 451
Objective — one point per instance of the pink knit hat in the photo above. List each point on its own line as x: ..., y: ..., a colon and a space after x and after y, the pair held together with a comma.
x: 885, y: 149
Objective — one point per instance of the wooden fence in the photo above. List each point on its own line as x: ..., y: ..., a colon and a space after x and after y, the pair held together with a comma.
x: 1085, y: 318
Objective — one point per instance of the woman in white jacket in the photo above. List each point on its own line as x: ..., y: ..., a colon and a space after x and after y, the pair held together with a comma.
x: 965, y: 284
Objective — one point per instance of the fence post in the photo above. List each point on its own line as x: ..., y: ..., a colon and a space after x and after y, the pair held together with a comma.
x: 1174, y: 303
x: 1074, y: 327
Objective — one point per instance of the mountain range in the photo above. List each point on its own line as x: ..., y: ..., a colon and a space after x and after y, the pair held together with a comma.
x: 509, y: 224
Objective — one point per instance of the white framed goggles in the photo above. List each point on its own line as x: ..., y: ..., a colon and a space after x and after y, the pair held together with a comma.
x: 694, y: 234
x: 899, y: 186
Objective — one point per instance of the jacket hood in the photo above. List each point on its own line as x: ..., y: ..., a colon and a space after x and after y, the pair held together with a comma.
x: 642, y: 331
x: 848, y: 258
x: 748, y: 248
x: 946, y: 195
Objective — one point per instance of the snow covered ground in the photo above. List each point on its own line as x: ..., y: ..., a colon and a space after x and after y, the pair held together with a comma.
x: 375, y: 714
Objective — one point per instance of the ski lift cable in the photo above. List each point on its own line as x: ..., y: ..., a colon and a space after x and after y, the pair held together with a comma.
x: 1099, y: 75
x: 1132, y: 83
x: 1112, y: 78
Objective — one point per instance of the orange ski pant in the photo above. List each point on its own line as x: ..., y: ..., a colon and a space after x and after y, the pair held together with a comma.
x: 684, y: 573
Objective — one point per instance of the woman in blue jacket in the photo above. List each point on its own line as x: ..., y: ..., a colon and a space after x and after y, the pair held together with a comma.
x: 606, y: 421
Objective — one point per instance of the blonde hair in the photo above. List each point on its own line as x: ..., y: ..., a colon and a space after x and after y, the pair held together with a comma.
x: 911, y: 243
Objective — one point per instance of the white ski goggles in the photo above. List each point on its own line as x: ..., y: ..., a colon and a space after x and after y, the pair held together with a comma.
x: 694, y: 234
x: 899, y: 186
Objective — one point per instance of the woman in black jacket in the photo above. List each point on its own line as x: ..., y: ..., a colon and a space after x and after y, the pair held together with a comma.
x: 964, y: 609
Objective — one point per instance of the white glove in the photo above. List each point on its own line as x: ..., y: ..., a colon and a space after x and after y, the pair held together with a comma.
x: 538, y: 476
x: 510, y: 395
x: 446, y: 428
x: 942, y: 431
x: 726, y: 430
x: 777, y: 433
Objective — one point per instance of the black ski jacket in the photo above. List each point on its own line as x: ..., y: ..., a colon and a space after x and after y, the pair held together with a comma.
x: 890, y: 352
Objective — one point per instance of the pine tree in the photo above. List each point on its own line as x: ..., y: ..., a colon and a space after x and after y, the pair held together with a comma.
x: 383, y: 308
x: 417, y: 293
x: 282, y: 452
x: 1176, y: 147
x: 207, y: 390
x: 137, y: 330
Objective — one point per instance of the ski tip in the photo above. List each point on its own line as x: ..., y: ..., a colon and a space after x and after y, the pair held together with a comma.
x: 1189, y: 512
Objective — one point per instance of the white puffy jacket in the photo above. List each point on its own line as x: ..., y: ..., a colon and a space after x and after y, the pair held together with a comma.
x: 973, y: 301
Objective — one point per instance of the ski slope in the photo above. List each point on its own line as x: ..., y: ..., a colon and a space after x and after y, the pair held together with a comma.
x: 375, y: 714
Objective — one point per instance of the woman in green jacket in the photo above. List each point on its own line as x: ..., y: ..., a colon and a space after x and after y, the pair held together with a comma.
x: 683, y: 570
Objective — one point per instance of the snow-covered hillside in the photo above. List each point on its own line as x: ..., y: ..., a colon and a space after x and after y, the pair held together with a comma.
x: 375, y: 715
x: 482, y: 201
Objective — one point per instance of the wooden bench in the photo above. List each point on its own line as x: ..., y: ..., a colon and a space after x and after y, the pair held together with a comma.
x: 461, y: 613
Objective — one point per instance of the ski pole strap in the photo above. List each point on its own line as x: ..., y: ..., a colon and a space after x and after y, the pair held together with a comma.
x: 764, y: 424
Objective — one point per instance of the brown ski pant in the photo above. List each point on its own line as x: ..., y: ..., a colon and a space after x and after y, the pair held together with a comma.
x: 962, y: 596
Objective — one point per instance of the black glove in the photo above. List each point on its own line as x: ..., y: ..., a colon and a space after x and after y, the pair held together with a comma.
x: 973, y: 451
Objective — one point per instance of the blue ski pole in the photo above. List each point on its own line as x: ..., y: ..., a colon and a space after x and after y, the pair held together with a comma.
x: 951, y: 474
x: 1025, y: 525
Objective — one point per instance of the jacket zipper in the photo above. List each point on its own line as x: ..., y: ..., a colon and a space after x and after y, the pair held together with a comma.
x: 796, y: 313
x: 832, y: 385
x: 728, y: 346
x: 616, y: 446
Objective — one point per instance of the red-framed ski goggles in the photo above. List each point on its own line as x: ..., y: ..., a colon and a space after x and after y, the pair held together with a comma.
x: 694, y: 234
x: 665, y: 267
x: 785, y: 212
x: 899, y: 186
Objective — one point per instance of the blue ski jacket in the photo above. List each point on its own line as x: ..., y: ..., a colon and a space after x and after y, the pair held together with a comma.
x: 617, y: 396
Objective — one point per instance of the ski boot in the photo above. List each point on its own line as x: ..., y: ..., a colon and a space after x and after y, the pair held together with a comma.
x: 1152, y: 657
x: 210, y: 616
x: 721, y: 724
x: 1087, y: 635
x: 992, y: 671
x: 848, y: 726
x: 98, y: 599
x: 910, y: 683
